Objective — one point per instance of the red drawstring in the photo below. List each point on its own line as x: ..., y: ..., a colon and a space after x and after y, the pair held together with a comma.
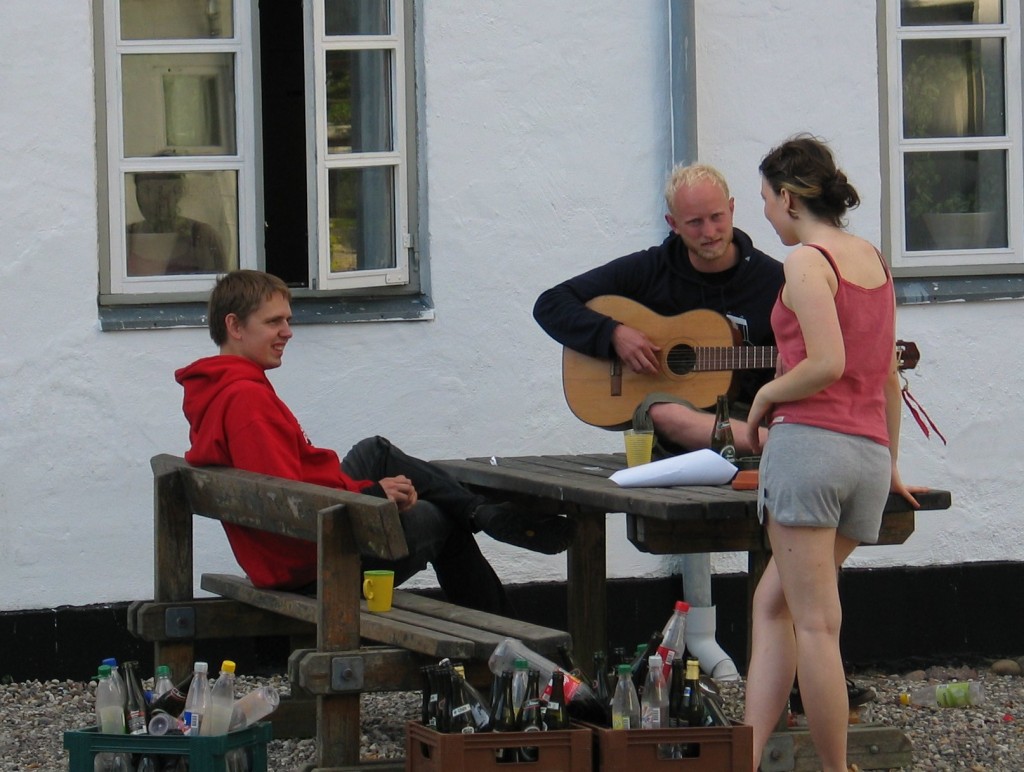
x: 916, y: 406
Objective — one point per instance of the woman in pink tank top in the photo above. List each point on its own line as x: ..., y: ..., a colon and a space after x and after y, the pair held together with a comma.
x: 830, y: 458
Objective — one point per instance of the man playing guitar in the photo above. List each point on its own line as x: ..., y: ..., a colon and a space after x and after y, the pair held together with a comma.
x: 705, y: 263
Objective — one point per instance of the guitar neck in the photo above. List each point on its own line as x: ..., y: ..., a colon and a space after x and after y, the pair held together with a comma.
x: 709, y: 358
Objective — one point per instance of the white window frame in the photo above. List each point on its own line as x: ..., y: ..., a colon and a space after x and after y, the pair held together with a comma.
x: 397, y: 158
x: 961, y: 261
x: 115, y: 283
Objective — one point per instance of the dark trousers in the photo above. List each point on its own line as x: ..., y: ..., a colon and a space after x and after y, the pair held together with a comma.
x: 437, y: 528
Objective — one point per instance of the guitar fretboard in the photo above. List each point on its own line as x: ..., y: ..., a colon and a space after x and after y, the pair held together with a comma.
x: 687, y: 359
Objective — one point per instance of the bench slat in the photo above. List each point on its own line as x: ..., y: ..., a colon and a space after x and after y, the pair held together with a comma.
x: 410, y: 631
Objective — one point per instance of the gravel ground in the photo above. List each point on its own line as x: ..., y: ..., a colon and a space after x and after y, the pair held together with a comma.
x: 34, y: 715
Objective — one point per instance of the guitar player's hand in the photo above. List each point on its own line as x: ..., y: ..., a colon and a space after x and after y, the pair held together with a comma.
x: 636, y: 350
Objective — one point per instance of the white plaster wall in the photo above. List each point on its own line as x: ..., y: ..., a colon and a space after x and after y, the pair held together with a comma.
x: 546, y: 141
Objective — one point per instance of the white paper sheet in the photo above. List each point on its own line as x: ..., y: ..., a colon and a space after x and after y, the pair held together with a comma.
x: 701, y: 467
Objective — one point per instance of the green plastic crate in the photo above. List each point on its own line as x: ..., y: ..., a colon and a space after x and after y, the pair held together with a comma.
x: 205, y: 754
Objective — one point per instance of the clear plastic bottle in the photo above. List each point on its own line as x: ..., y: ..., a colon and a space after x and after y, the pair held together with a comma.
x: 578, y: 695
x: 520, y: 676
x: 115, y: 676
x: 654, y: 703
x: 217, y: 719
x: 254, y: 706
x: 625, y: 705
x: 673, y: 637
x: 109, y: 708
x: 162, y: 682
x: 197, y: 699
x: 957, y: 694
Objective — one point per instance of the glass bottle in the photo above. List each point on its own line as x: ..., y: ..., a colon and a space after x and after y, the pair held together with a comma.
x: 217, y: 719
x: 638, y: 669
x: 654, y: 701
x: 505, y: 716
x: 722, y: 441
x: 173, y: 701
x: 135, y: 706
x: 197, y: 699
x: 693, y: 711
x: 556, y: 715
x: 625, y: 704
x: 675, y: 694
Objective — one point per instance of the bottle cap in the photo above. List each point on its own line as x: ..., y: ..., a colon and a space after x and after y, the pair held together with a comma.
x: 104, y: 671
x: 227, y: 666
x: 201, y: 667
x: 624, y: 669
x: 163, y: 670
x: 110, y: 661
x: 655, y: 661
x: 521, y: 663
x: 682, y: 606
x: 904, y: 699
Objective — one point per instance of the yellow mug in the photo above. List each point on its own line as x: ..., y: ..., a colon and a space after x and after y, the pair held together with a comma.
x: 378, y: 589
x: 639, y: 444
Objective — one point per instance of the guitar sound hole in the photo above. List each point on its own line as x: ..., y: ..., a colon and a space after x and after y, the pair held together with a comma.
x: 681, y: 359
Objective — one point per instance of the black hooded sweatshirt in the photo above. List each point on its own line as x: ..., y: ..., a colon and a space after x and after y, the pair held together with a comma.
x: 663, y: 279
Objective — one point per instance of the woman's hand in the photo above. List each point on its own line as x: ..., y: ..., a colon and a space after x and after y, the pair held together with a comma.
x: 906, y: 491
x: 758, y: 412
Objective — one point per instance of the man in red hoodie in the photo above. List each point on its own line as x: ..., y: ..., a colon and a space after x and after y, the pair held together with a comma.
x: 236, y: 419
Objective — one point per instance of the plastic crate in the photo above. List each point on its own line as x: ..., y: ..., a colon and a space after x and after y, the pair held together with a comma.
x: 711, y: 749
x: 561, y: 750
x: 205, y: 754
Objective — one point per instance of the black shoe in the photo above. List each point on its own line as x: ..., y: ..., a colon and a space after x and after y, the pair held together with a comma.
x: 549, y: 534
x: 857, y: 695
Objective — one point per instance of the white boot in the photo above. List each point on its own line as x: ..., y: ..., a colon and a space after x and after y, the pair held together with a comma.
x: 701, y: 643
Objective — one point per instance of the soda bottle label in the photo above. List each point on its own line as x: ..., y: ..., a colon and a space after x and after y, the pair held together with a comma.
x: 137, y: 722
x: 456, y: 712
x: 620, y: 722
x: 191, y: 721
x: 571, y: 686
x: 955, y: 695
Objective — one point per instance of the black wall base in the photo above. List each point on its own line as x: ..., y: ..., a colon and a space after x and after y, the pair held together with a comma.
x: 894, y: 616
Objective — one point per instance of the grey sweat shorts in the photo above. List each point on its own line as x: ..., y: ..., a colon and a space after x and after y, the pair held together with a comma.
x: 824, y: 479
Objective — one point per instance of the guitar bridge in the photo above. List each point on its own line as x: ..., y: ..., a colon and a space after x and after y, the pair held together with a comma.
x: 615, y: 378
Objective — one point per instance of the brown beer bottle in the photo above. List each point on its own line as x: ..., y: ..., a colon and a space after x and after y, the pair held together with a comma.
x: 722, y: 441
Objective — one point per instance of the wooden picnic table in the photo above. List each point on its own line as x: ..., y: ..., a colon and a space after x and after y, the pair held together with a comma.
x: 690, y: 519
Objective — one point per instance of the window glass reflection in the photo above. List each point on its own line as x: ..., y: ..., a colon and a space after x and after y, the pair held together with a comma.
x: 357, y: 17
x: 933, y: 12
x: 953, y: 88
x: 171, y: 19
x: 956, y: 200
x: 362, y: 218
x: 358, y: 101
x: 181, y: 222
x: 178, y: 104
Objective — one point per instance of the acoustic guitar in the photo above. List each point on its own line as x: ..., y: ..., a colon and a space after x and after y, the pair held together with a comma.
x: 700, y: 351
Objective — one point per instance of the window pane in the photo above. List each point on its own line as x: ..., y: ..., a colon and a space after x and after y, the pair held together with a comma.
x: 358, y: 101
x: 362, y: 218
x: 927, y: 12
x: 953, y: 88
x: 181, y: 222
x: 178, y: 104
x: 357, y: 17
x: 169, y: 19
x: 955, y: 200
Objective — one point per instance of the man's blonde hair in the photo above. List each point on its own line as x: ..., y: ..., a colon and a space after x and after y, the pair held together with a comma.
x: 686, y: 176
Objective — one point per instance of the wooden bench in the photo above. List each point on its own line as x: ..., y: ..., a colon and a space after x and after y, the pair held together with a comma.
x: 341, y: 649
